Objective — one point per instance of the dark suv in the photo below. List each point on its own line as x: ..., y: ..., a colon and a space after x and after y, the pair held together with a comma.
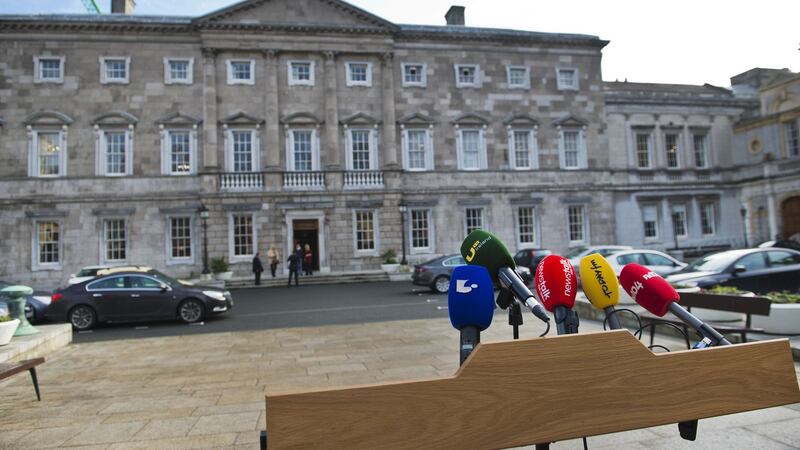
x: 531, y: 257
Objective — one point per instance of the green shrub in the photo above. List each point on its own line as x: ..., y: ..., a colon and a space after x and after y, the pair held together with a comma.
x: 389, y: 257
x: 219, y: 264
x: 5, y: 319
x: 784, y: 297
x: 725, y: 290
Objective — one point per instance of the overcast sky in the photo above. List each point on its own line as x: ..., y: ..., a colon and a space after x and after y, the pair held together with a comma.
x: 680, y: 41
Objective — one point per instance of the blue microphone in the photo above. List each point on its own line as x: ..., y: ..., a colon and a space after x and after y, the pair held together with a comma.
x: 470, y: 302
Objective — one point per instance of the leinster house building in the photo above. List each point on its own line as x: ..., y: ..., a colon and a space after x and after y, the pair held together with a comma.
x: 316, y: 122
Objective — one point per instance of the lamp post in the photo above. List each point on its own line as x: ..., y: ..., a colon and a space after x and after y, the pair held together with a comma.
x: 743, y: 212
x: 403, y: 208
x: 203, y: 212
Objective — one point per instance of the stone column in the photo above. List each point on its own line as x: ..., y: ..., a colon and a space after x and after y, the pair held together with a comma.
x: 210, y: 157
x: 332, y: 155
x: 272, y: 128
x: 389, y: 133
x: 771, y: 214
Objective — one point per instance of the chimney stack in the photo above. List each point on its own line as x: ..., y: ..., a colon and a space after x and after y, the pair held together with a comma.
x: 122, y: 6
x: 455, y: 15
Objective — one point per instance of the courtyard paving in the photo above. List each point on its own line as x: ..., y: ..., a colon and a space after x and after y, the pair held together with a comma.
x: 207, y: 390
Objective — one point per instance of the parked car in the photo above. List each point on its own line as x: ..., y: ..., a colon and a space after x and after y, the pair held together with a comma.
x: 436, y: 273
x: 530, y: 258
x: 89, y: 272
x: 659, y: 262
x: 574, y: 256
x: 135, y: 295
x: 35, y: 306
x: 784, y: 243
x: 758, y: 270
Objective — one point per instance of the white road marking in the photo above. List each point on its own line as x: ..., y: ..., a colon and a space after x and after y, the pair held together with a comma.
x: 142, y: 328
x: 439, y: 308
x: 196, y: 324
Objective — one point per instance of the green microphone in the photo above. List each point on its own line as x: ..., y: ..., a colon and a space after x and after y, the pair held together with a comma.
x: 481, y: 248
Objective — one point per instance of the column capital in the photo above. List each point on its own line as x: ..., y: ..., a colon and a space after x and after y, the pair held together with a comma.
x: 387, y: 58
x: 330, y: 56
x: 210, y: 52
x: 269, y: 53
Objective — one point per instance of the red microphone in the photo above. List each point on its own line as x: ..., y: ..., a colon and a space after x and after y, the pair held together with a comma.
x: 556, y: 286
x: 656, y: 295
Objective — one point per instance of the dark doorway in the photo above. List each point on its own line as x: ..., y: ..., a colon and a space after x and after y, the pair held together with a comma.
x: 306, y: 231
x: 790, y: 210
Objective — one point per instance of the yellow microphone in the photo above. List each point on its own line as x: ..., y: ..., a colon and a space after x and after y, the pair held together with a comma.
x: 601, y: 286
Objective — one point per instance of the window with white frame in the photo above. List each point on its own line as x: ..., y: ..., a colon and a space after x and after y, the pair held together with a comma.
x: 417, y: 149
x: 364, y: 230
x: 572, y: 149
x: 679, y: 220
x: 671, y: 146
x: 114, y: 69
x: 362, y: 145
x: 115, y: 240
x: 359, y: 73
x: 567, y: 79
x: 242, y: 235
x: 48, y: 154
x: 414, y: 74
x: 241, y: 71
x: 577, y: 225
x: 178, y: 70
x: 700, y: 141
x: 114, y: 152
x: 471, y: 149
x: 473, y: 220
x: 650, y: 221
x: 420, y: 228
x: 242, y: 150
x: 301, y: 73
x: 792, y: 137
x: 178, y: 152
x: 708, y: 224
x: 303, y: 150
x: 180, y: 238
x: 526, y: 225
x: 522, y: 147
x: 468, y: 75
x: 48, y: 69
x: 518, y: 77
x: 643, y: 149
x: 47, y: 243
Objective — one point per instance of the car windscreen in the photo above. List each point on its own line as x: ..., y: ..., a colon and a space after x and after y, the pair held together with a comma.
x: 576, y: 252
x: 87, y: 273
x: 715, y: 262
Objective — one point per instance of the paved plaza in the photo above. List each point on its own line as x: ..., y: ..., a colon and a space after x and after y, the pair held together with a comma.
x: 207, y: 390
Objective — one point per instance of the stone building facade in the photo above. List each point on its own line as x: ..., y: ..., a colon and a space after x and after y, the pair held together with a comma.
x: 310, y: 121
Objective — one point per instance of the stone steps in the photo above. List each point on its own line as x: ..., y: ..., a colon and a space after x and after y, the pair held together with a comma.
x: 317, y: 278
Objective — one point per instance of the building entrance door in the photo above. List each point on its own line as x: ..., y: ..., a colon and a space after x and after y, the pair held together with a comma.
x: 306, y: 231
x: 790, y: 210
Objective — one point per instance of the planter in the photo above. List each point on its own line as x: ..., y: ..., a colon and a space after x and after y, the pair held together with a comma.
x: 224, y: 276
x: 783, y: 318
x: 7, y: 330
x: 390, y: 268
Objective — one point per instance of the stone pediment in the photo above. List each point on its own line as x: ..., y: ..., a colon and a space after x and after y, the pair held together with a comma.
x: 470, y: 119
x: 416, y: 119
x: 301, y: 118
x: 178, y: 118
x: 521, y: 120
x: 115, y: 118
x: 295, y: 14
x: 570, y: 121
x: 360, y: 119
x: 241, y: 118
x: 48, y: 118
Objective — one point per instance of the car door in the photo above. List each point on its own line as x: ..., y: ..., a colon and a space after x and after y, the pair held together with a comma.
x: 109, y: 296
x: 147, y: 299
x: 755, y: 274
x: 784, y: 271
x: 661, y: 264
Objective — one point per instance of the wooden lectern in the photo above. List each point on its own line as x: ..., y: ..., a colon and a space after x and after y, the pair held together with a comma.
x: 515, y: 393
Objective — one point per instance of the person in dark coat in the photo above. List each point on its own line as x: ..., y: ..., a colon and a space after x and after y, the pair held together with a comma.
x: 294, y: 267
x: 257, y: 268
x: 298, y: 251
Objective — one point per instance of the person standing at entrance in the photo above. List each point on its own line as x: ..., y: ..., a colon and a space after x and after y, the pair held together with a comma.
x: 294, y: 266
x: 308, y: 260
x: 298, y: 252
x: 257, y: 268
x: 273, y: 256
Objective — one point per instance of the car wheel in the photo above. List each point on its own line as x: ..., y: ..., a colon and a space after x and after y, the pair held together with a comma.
x: 441, y: 284
x: 191, y: 311
x: 82, y: 317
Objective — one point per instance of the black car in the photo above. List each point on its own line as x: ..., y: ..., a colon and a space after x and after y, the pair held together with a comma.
x: 758, y: 270
x: 35, y: 305
x: 135, y: 296
x: 531, y: 257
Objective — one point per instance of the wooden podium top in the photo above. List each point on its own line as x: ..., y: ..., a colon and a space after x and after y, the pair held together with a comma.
x: 523, y: 392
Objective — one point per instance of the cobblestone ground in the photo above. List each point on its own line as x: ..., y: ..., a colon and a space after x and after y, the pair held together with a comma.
x: 207, y: 390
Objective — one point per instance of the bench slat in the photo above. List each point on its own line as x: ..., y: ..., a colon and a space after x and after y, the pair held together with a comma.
x: 9, y: 369
x: 759, y: 306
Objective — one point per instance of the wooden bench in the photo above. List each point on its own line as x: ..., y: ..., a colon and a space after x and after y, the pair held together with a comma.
x: 749, y: 306
x: 11, y: 369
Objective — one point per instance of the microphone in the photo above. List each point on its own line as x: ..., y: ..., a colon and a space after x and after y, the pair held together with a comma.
x: 556, y: 285
x: 470, y: 303
x: 601, y: 286
x: 656, y: 295
x: 481, y: 248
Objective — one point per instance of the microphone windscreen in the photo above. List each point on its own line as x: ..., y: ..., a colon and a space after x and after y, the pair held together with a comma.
x: 470, y: 300
x: 556, y: 283
x: 650, y: 291
x: 599, y: 282
x: 481, y: 248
